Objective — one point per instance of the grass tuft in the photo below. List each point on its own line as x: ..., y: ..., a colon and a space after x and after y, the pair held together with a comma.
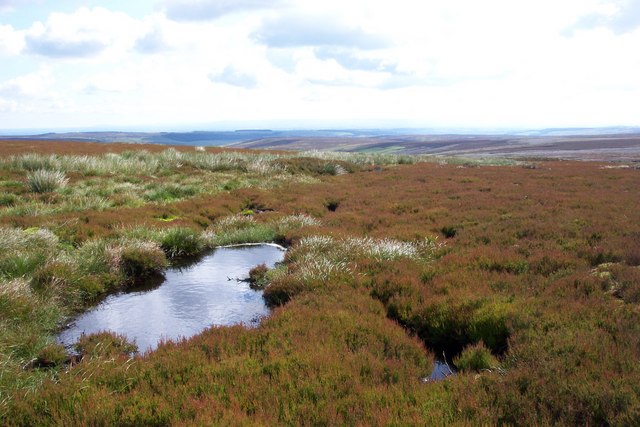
x: 46, y: 181
x: 475, y: 358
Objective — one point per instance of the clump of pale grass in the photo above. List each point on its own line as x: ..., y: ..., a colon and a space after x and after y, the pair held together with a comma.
x: 322, y: 257
x: 294, y: 222
x: 45, y: 181
x: 14, y: 289
x: 234, y: 222
x: 310, y: 267
x: 16, y: 239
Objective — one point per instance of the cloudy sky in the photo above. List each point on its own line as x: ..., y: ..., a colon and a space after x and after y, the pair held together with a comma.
x: 185, y: 64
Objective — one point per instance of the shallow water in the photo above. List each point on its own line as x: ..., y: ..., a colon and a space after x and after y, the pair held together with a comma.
x: 441, y: 370
x: 188, y: 300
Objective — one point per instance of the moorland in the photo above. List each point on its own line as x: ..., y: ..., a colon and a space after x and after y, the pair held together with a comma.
x: 608, y: 144
x: 523, y: 275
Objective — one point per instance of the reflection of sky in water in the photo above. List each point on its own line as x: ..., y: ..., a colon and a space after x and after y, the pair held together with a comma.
x: 188, y: 301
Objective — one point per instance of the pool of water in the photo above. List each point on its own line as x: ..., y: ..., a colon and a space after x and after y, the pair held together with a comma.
x: 188, y: 300
x: 441, y: 370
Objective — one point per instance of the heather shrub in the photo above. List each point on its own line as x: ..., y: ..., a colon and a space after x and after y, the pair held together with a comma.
x: 626, y: 282
x: 105, y: 344
x: 258, y: 276
x: 280, y: 291
x: 45, y: 181
x: 632, y: 250
x: 449, y: 232
x: 512, y: 266
x: 489, y: 323
x: 475, y: 358
x: 556, y: 263
x: 451, y: 325
x: 597, y: 256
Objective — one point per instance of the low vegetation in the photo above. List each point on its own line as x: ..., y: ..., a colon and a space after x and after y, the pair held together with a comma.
x: 525, y: 278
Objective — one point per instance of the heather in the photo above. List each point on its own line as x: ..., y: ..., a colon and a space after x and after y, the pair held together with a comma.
x: 525, y: 278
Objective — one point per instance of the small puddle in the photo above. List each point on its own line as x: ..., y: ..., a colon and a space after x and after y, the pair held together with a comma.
x: 188, y: 300
x: 441, y: 370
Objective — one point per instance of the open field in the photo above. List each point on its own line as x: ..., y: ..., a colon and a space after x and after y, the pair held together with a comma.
x: 525, y: 275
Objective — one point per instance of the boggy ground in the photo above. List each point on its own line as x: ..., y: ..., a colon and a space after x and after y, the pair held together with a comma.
x: 532, y: 289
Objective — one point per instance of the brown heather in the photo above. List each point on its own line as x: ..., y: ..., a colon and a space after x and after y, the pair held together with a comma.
x: 540, y: 266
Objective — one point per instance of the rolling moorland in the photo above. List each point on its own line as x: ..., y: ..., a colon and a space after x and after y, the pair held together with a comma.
x: 524, y: 274
x: 612, y: 144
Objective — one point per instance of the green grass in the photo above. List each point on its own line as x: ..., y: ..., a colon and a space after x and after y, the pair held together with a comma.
x: 476, y: 358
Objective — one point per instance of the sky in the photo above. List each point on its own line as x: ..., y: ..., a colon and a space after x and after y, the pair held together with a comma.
x: 228, y: 64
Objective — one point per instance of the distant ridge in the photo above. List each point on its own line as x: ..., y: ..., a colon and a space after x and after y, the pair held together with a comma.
x: 610, y: 143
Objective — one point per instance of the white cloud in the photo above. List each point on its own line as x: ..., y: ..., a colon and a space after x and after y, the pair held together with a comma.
x: 204, y: 10
x: 84, y: 33
x: 353, y: 60
x: 11, y: 41
x: 33, y: 85
x: 300, y: 29
x: 234, y: 77
x: 152, y: 42
x: 619, y: 16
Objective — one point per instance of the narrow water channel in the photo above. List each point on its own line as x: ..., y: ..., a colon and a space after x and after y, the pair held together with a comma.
x: 188, y: 300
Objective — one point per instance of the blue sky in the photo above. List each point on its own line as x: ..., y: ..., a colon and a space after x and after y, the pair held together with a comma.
x: 181, y: 64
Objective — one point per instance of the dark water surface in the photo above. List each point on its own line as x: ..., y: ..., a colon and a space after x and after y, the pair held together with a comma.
x: 189, y: 300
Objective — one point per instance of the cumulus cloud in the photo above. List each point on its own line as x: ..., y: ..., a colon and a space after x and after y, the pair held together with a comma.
x: 284, y: 59
x: 11, y: 41
x: 31, y: 85
x: 152, y: 42
x: 204, y: 10
x: 296, y: 30
x: 624, y: 17
x: 60, y: 48
x: 350, y: 60
x: 84, y: 33
x: 234, y: 77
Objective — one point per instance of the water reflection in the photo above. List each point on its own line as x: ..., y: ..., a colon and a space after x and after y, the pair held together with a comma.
x: 192, y: 297
x: 441, y: 370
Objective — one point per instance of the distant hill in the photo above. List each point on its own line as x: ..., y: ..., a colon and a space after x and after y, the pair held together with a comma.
x: 617, y: 143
